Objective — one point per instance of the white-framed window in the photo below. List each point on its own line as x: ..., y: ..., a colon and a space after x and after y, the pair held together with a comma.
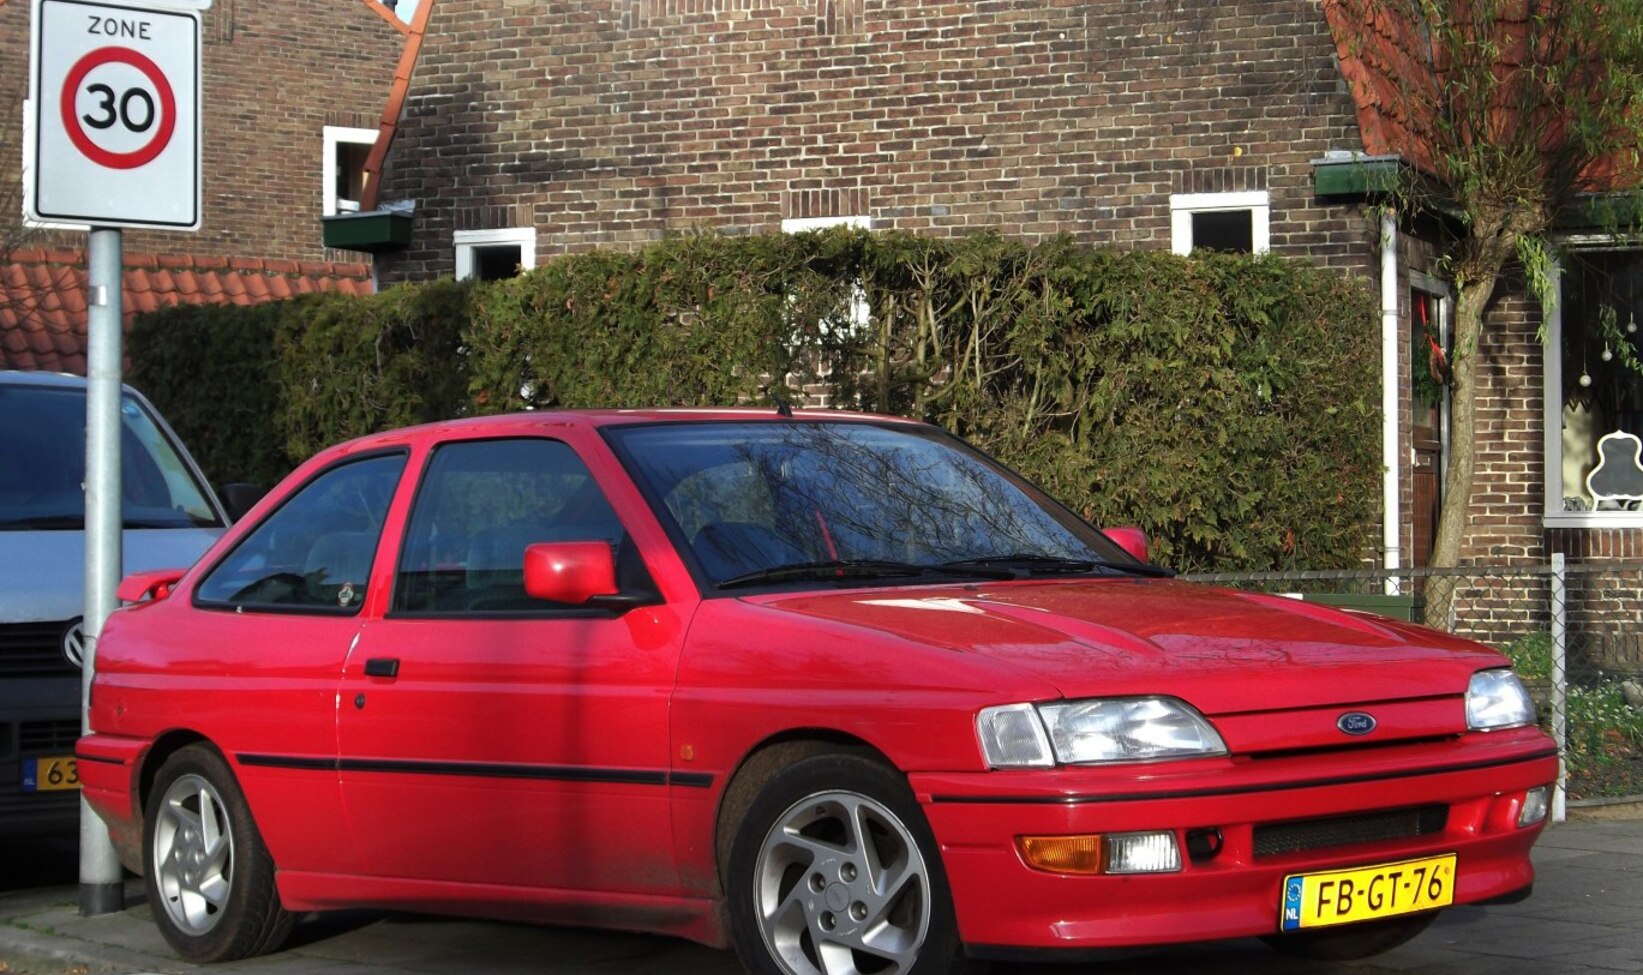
x: 1593, y: 327
x: 343, y: 167
x: 798, y: 225
x: 491, y: 255
x: 1238, y: 223
x: 861, y: 312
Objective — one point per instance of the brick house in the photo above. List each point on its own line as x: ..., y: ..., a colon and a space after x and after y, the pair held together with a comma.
x: 292, y: 95
x: 532, y: 130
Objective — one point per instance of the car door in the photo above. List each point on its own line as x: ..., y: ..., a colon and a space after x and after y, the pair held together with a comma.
x: 489, y: 737
x: 278, y: 612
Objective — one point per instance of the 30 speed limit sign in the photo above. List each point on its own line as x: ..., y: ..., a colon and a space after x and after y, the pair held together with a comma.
x: 116, y: 96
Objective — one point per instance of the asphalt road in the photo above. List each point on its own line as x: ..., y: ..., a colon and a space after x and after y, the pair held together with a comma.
x: 1585, y: 918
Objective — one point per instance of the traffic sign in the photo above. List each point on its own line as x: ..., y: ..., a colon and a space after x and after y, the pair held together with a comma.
x: 115, y: 89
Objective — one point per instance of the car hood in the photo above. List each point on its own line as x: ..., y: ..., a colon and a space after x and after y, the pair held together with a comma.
x: 43, y: 575
x: 1224, y: 651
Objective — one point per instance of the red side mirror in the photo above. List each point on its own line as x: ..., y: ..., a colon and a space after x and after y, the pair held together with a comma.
x: 154, y: 584
x: 1131, y: 540
x: 570, y: 572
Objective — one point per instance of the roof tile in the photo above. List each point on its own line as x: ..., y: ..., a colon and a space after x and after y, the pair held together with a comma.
x: 43, y: 295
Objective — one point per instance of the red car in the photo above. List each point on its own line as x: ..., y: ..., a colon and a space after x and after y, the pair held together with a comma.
x: 834, y: 689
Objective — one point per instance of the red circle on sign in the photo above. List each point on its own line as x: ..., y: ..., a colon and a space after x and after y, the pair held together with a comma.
x: 71, y: 119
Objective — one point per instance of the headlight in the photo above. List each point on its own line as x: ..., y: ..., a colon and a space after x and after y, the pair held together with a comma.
x: 1088, y: 732
x: 1496, y: 699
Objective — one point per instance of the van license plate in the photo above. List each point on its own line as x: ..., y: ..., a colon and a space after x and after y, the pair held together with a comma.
x: 1316, y: 900
x: 50, y: 773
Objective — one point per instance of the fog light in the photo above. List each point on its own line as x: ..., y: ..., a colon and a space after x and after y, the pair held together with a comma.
x: 1142, y: 853
x: 1536, y: 804
x: 1062, y: 854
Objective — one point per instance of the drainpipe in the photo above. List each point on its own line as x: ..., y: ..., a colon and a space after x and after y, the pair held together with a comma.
x: 1390, y: 456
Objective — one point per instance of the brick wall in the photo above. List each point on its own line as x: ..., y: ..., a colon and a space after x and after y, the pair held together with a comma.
x: 1508, y: 500
x: 616, y: 122
x: 273, y: 75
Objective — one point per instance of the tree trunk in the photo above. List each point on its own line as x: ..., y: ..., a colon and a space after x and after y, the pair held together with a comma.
x: 1453, y: 521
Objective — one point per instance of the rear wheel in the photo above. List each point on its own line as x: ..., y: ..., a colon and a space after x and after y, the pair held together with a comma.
x: 1351, y: 942
x: 210, y: 879
x: 834, y: 871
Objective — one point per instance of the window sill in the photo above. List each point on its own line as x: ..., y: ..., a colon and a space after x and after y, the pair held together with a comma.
x: 1595, y: 519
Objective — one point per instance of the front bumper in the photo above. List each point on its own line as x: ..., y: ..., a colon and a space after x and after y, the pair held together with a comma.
x: 1004, y: 906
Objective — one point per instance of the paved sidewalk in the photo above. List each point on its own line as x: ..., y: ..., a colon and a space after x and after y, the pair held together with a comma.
x: 1586, y: 917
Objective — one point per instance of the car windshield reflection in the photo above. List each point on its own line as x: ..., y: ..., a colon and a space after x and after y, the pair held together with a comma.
x: 760, y: 503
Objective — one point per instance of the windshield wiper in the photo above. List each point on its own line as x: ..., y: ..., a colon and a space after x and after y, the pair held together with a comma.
x: 76, y: 523
x: 1035, y: 564
x: 860, y: 569
x: 44, y: 523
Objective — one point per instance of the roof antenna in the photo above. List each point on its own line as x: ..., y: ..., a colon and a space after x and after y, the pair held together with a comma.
x: 784, y: 409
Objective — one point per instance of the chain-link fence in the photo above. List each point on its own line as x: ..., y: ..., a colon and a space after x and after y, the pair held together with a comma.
x: 1574, y: 633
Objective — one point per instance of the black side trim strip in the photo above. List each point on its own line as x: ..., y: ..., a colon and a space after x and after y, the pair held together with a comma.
x: 287, y: 761
x: 98, y: 759
x: 554, y: 773
x: 1241, y: 790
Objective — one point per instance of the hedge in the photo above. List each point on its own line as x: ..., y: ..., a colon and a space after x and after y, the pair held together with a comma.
x: 1226, y: 404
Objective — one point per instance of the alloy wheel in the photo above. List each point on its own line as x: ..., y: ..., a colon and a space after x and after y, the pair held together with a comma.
x: 193, y: 854
x: 841, y: 888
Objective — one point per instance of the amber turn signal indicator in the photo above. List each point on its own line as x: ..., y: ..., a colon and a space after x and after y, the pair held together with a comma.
x: 1062, y: 854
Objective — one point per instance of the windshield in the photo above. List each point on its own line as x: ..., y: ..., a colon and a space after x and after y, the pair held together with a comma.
x: 849, y: 500
x: 43, y: 463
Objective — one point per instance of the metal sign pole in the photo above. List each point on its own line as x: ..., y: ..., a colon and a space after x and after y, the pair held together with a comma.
x: 115, y: 92
x: 102, y: 887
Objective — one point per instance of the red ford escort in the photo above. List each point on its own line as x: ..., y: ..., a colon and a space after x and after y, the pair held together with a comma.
x: 834, y: 689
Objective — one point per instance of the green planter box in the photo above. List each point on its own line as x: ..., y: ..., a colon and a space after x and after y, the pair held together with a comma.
x: 375, y: 231
x: 1410, y: 608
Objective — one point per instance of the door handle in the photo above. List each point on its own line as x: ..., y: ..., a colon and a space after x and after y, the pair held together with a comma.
x: 382, y: 667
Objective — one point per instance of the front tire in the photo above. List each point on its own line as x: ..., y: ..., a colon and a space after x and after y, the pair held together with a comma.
x: 834, y: 871
x: 210, y: 879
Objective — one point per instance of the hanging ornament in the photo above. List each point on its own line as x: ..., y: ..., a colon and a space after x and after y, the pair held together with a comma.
x: 1607, y: 355
x: 1631, y: 324
x: 1585, y: 379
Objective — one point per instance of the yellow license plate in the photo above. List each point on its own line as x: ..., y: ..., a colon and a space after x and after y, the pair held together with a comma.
x: 1316, y: 900
x: 49, y: 773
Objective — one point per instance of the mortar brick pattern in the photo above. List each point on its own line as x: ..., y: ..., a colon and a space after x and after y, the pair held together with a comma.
x: 624, y: 120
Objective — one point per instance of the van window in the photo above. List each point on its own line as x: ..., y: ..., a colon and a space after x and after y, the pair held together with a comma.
x: 43, y: 466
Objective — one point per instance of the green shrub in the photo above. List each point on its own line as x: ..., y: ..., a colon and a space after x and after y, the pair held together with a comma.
x: 1228, y: 405
x: 1605, y: 753
x: 211, y: 371
x: 348, y: 366
x: 1531, y: 656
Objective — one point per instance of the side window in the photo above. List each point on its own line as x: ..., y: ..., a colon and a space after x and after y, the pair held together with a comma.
x: 1234, y: 223
x: 315, y: 551
x: 343, y: 168
x: 480, y: 504
x: 491, y: 255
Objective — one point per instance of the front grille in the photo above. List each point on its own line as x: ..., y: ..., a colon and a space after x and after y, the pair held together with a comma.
x: 34, y: 649
x: 1277, y: 839
x: 48, y: 737
x: 36, y: 810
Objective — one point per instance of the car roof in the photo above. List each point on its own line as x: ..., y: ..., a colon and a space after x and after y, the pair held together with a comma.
x: 62, y: 380
x: 529, y: 421
x: 50, y: 380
